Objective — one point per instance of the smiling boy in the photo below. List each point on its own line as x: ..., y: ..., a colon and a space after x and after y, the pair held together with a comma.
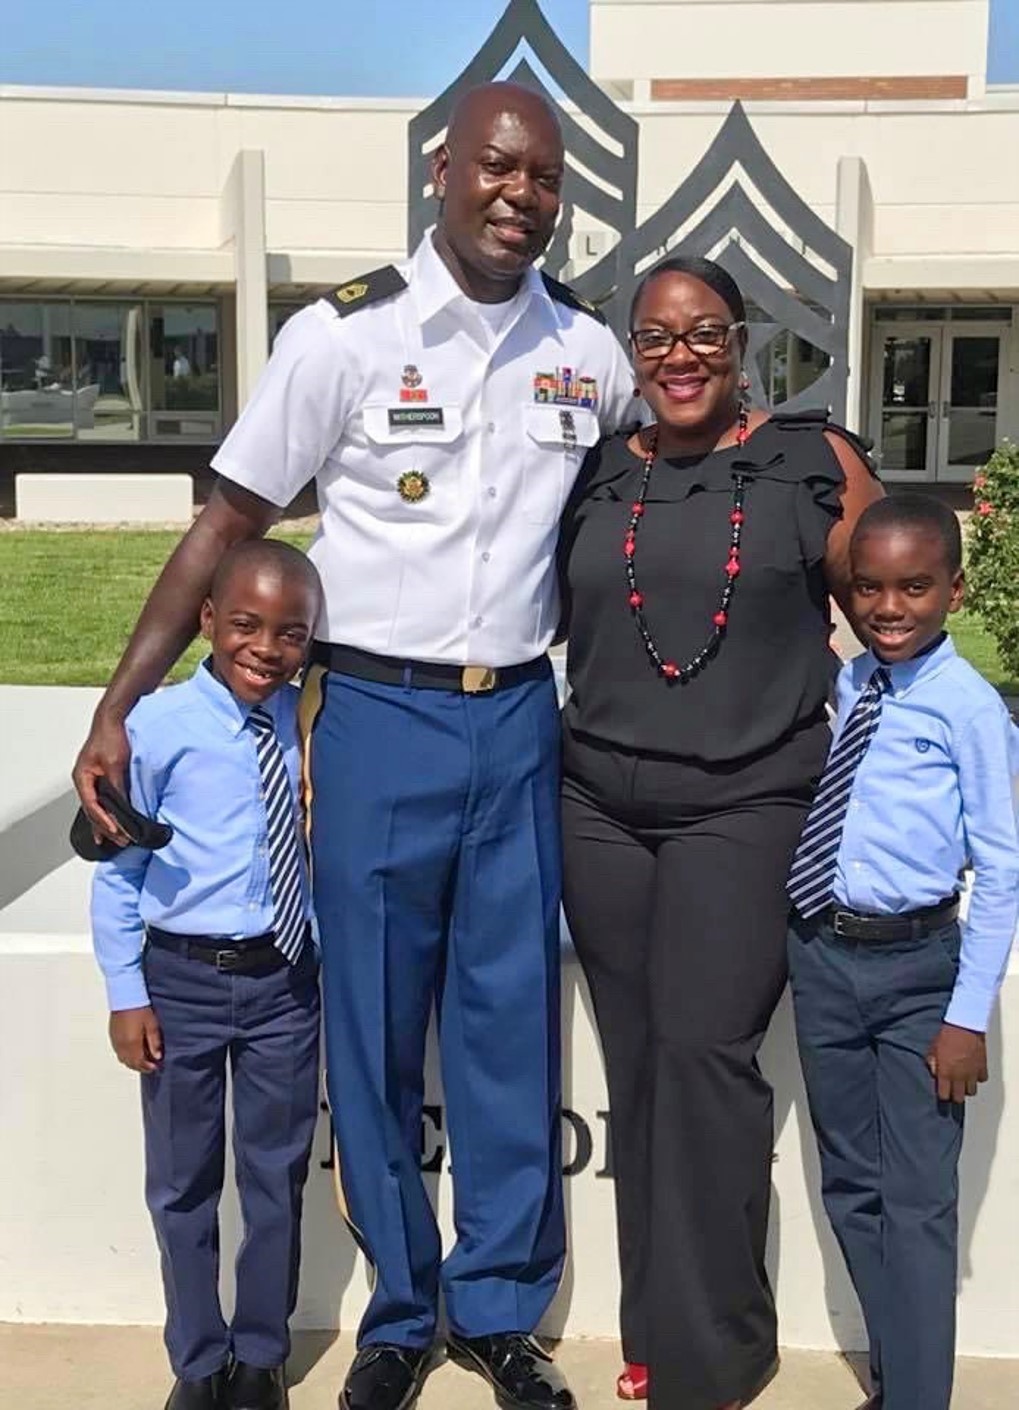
x: 209, y: 963
x: 892, y: 1001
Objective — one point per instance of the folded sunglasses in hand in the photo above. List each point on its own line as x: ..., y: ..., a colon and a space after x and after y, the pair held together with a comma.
x: 142, y: 831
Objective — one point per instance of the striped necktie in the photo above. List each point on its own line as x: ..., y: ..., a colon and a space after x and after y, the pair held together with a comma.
x: 285, y: 862
x: 812, y: 876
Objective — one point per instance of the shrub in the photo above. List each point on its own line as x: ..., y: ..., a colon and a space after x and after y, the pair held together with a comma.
x: 992, y: 565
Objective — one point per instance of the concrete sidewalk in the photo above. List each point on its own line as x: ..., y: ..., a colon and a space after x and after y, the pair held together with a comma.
x: 124, y: 1368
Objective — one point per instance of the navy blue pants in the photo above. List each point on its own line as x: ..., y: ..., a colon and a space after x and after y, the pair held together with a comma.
x: 435, y: 841
x: 265, y: 1028
x: 866, y: 1014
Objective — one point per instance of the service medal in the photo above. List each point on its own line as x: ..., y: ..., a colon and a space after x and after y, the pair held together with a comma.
x: 413, y: 486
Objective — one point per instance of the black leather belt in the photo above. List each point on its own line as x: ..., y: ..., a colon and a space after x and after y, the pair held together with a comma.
x: 426, y: 675
x: 910, y: 925
x: 255, y: 956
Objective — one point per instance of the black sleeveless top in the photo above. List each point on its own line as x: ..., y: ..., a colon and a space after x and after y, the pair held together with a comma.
x: 773, y: 669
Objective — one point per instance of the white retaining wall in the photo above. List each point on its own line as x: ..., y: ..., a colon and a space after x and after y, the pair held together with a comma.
x: 75, y: 1242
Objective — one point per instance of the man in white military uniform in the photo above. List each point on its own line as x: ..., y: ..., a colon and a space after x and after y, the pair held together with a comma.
x: 443, y: 408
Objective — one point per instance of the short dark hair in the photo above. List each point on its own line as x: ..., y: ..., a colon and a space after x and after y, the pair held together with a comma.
x: 719, y: 280
x: 920, y: 512
x: 288, y: 561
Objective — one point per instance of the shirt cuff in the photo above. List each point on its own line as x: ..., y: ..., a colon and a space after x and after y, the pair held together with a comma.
x: 970, y: 1010
x: 126, y: 990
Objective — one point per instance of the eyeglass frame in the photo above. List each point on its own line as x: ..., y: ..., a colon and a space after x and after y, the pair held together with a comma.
x: 683, y: 338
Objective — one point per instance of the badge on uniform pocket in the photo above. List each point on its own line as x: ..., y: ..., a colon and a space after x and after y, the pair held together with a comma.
x: 413, y: 486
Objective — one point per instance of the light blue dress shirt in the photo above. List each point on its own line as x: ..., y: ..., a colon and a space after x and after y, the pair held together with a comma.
x: 937, y: 790
x: 193, y: 765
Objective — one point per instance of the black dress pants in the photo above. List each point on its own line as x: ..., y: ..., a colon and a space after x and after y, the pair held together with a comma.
x: 674, y: 887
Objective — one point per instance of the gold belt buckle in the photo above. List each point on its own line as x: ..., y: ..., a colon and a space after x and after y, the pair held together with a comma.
x: 475, y: 680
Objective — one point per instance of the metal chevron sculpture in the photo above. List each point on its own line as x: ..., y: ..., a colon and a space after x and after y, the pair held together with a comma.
x: 793, y: 269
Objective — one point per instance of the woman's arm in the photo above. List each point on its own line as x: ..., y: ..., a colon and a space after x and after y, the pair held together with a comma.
x: 859, y: 490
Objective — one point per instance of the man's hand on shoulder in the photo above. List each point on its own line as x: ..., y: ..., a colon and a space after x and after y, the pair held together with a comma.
x: 137, y: 1039
x: 958, y: 1062
x: 105, y: 753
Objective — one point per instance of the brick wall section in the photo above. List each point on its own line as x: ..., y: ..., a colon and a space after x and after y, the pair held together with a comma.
x: 674, y: 90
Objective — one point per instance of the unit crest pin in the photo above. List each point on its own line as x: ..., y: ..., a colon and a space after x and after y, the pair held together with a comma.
x: 413, y: 486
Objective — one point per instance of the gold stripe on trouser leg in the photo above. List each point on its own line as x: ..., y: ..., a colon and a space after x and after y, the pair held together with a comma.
x: 309, y: 708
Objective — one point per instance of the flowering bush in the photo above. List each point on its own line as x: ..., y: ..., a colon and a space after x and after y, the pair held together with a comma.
x: 992, y: 567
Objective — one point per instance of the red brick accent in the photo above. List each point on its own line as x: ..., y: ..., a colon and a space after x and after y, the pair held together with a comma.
x: 795, y: 89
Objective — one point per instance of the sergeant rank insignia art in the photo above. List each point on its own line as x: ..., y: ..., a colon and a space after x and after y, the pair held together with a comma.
x: 413, y: 486
x: 350, y: 293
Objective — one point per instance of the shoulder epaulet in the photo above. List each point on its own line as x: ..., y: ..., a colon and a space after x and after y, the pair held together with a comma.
x: 563, y: 294
x: 366, y: 289
x: 798, y: 420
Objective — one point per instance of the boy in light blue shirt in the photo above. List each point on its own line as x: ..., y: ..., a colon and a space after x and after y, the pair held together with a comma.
x: 892, y: 1001
x: 209, y: 964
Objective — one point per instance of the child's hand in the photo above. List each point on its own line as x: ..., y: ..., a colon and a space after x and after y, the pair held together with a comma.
x: 958, y: 1061
x: 137, y: 1039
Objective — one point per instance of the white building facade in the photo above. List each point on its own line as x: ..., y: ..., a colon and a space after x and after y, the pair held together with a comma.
x: 152, y: 243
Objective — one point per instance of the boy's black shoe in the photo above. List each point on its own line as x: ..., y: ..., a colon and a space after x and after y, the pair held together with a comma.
x: 256, y: 1388
x: 523, y: 1376
x: 383, y: 1377
x: 206, y: 1394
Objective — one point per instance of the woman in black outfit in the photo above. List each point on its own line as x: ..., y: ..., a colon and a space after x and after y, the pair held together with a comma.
x: 698, y: 554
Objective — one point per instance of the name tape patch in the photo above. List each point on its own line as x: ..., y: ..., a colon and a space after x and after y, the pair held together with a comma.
x: 403, y: 416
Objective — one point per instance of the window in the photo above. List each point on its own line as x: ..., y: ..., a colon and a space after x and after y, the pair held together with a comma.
x: 184, y: 370
x: 37, y: 387
x: 787, y: 363
x: 104, y: 370
x: 108, y: 370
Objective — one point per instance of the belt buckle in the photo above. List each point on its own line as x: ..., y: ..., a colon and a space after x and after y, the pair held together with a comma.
x: 227, y: 960
x: 476, y: 680
x: 838, y: 921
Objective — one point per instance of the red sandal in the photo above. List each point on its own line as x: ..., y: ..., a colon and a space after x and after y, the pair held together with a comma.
x: 632, y: 1384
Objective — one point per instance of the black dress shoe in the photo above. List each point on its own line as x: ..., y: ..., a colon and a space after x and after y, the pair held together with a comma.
x: 384, y: 1377
x: 255, y: 1388
x: 206, y: 1394
x: 523, y: 1376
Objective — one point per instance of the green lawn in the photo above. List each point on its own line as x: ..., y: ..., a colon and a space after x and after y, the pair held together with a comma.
x: 68, y: 601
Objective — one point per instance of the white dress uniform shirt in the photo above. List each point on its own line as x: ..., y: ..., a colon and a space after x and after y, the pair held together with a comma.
x: 465, y: 573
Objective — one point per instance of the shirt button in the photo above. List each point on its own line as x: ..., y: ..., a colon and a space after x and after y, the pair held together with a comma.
x: 492, y: 492
x: 477, y: 621
x: 490, y: 428
x: 485, y: 556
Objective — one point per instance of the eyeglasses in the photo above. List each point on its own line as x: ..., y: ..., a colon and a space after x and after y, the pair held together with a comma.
x: 706, y: 340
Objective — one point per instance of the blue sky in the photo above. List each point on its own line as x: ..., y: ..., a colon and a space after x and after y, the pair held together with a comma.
x: 374, y: 47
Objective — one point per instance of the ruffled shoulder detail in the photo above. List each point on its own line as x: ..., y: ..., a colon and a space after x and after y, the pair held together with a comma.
x: 804, y: 457
x: 789, y: 448
x: 606, y: 466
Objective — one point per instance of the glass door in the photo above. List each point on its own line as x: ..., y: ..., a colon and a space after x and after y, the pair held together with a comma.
x: 905, y: 386
x: 972, y: 365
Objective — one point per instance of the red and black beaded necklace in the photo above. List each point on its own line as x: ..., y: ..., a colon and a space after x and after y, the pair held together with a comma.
x: 669, y: 671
